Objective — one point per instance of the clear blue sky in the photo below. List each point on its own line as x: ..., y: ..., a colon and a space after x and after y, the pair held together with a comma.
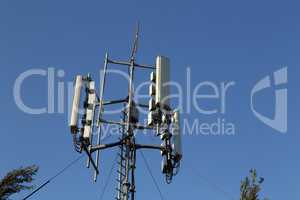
x: 241, y: 41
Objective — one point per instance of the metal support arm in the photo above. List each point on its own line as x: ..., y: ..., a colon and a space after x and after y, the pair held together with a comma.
x: 129, y: 64
x: 146, y: 146
x: 105, y: 146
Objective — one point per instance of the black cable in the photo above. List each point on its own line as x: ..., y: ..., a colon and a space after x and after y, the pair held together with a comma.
x: 152, y: 176
x: 215, y: 186
x: 108, y: 177
x: 36, y: 190
x: 53, y: 177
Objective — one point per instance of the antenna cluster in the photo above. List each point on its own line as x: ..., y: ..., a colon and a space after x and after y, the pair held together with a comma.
x: 87, y: 119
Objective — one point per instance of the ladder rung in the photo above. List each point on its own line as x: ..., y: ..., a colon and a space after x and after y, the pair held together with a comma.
x: 119, y: 163
x: 120, y: 181
x: 121, y: 173
x: 119, y: 191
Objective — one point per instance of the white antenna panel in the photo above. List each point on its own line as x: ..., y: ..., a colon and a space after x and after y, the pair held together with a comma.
x: 177, y: 135
x: 150, y: 119
x: 151, y: 90
x: 151, y: 104
x: 90, y: 111
x: 152, y: 77
x: 75, y: 104
x: 162, y: 77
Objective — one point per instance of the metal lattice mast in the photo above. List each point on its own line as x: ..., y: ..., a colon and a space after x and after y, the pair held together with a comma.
x: 121, y: 163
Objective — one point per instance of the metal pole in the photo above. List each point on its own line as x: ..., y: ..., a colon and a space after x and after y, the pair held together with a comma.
x: 129, y: 142
x: 133, y: 166
x: 100, y: 113
x: 129, y: 132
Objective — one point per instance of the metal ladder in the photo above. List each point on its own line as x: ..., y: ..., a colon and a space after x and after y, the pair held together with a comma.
x: 121, y: 195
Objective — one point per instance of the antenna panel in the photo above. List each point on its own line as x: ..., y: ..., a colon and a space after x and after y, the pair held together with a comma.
x: 75, y: 104
x: 90, y: 111
x: 162, y: 78
x: 150, y: 119
x: 152, y: 90
x: 152, y: 77
x: 177, y: 135
x: 151, y: 104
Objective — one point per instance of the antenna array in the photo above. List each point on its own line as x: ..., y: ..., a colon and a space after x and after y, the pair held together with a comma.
x: 161, y: 119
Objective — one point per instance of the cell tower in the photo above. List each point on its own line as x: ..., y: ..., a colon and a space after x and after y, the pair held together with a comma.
x: 161, y: 119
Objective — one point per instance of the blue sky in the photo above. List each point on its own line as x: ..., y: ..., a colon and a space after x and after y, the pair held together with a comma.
x: 221, y: 41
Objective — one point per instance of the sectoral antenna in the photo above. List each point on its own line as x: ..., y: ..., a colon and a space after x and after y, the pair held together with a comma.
x: 165, y: 122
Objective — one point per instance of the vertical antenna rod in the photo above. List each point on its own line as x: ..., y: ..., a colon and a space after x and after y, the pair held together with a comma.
x: 100, y: 112
x: 135, y: 43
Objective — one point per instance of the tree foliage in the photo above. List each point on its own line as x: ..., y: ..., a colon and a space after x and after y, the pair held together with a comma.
x: 16, y: 181
x: 251, y: 186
